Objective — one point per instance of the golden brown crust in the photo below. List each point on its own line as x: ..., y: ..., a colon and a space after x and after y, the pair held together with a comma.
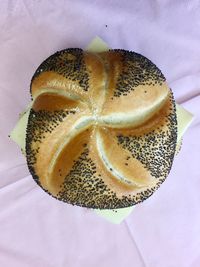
x: 102, y: 129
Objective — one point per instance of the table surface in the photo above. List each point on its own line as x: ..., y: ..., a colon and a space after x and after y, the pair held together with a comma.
x: 38, y: 231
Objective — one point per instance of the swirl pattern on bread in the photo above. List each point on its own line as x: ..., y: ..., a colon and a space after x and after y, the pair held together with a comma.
x: 102, y: 130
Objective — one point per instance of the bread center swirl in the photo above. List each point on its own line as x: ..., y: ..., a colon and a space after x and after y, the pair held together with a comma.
x: 91, y: 112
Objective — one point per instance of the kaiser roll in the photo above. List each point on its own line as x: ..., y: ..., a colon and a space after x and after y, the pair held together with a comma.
x: 102, y: 129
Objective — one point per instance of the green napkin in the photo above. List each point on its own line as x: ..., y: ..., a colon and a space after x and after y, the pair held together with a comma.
x: 118, y: 215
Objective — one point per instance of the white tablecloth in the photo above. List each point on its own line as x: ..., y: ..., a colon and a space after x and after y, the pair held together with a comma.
x: 39, y: 231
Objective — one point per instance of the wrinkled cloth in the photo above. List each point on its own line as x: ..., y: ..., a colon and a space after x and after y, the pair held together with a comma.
x: 36, y: 229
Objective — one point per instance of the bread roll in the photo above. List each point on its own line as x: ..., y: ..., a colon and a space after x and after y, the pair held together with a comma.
x: 102, y: 130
